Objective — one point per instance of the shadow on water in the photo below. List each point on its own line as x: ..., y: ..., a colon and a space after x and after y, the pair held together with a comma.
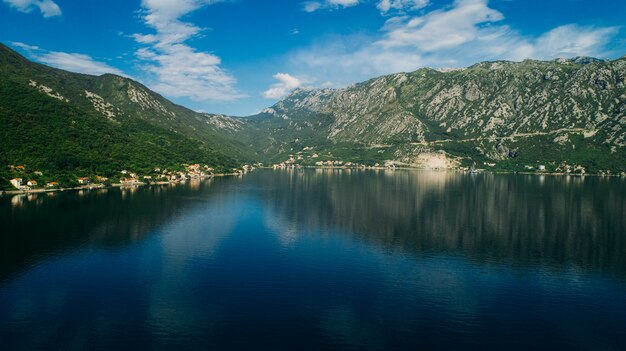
x: 316, y: 259
x: 523, y: 219
x: 35, y: 227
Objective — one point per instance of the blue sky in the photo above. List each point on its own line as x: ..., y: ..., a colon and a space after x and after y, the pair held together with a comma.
x: 240, y: 56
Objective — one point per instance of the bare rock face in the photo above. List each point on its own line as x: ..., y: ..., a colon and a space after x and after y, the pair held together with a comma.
x: 492, y: 114
x: 495, y: 106
x: 436, y: 161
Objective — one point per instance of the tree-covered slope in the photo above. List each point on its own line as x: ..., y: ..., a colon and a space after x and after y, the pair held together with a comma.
x: 70, y: 125
x: 564, y: 114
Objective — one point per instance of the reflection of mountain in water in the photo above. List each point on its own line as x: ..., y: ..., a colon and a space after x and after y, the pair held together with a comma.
x: 38, y: 225
x: 555, y: 221
x: 526, y: 219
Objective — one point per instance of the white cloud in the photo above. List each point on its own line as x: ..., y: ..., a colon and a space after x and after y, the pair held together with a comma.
x: 72, y: 62
x: 459, y: 35
x: 174, y: 68
x: 441, y: 29
x: 80, y: 63
x: 572, y: 40
x: 47, y: 7
x: 312, y: 6
x: 25, y: 46
x: 383, y: 5
x: 401, y: 5
x: 286, y: 83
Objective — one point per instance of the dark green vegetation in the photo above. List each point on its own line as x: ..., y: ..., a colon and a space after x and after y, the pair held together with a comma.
x: 51, y: 122
x: 563, y: 114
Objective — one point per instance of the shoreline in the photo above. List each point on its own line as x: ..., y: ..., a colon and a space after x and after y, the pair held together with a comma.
x: 138, y: 184
x: 102, y: 186
x: 457, y: 170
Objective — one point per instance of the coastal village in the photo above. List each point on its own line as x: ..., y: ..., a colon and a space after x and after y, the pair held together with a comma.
x: 296, y: 161
x: 309, y: 158
x: 563, y: 168
x: 25, y: 180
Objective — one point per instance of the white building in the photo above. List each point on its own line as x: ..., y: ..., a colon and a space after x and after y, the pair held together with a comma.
x: 17, y: 183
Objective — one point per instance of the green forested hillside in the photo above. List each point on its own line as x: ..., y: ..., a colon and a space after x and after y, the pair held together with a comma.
x: 566, y: 114
x: 63, y: 135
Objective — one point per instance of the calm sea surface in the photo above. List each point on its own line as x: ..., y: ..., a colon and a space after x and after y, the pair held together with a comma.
x: 320, y: 259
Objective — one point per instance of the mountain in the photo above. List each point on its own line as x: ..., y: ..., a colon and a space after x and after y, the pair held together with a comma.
x: 565, y: 114
x: 500, y: 115
x: 70, y: 125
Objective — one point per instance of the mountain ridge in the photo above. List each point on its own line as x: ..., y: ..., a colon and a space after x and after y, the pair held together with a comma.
x: 69, y: 125
x: 499, y: 115
x: 490, y: 100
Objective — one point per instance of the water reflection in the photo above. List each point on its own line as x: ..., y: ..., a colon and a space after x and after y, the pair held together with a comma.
x: 314, y: 259
x: 523, y: 219
x: 36, y: 226
x: 558, y: 221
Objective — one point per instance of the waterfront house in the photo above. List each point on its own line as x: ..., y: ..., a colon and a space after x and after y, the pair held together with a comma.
x: 52, y: 184
x: 129, y: 181
x: 541, y: 168
x: 32, y: 183
x: 17, y: 183
x: 83, y: 181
